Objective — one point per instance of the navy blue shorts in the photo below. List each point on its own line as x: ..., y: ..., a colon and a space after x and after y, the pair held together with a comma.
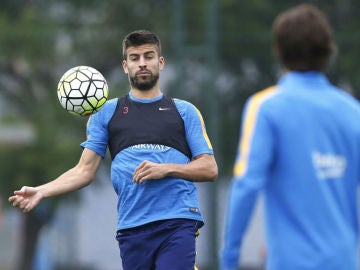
x: 160, y: 245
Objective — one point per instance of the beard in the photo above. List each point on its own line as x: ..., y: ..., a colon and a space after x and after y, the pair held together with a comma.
x: 141, y: 84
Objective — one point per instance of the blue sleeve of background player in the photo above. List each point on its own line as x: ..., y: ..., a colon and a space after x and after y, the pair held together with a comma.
x: 195, y: 130
x: 254, y: 155
x: 97, y: 129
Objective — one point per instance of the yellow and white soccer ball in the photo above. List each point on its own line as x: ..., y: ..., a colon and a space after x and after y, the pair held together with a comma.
x: 82, y: 90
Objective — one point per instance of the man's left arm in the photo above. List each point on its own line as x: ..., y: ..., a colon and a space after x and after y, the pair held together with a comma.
x: 202, y: 168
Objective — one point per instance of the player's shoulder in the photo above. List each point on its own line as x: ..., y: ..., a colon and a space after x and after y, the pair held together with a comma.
x: 107, y: 110
x: 265, y: 95
x: 183, y: 104
x: 185, y: 107
x: 266, y: 100
x: 347, y: 100
x: 110, y: 104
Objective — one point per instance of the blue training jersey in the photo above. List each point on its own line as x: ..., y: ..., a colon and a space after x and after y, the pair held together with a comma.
x: 156, y: 199
x: 300, y: 143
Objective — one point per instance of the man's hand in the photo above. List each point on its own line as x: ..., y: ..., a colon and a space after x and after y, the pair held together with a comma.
x: 26, y: 198
x: 149, y: 170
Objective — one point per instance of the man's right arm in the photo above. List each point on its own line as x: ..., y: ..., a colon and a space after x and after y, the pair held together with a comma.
x: 76, y: 178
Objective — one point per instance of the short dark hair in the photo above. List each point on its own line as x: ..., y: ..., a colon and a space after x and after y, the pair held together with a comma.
x: 138, y: 38
x: 303, y: 38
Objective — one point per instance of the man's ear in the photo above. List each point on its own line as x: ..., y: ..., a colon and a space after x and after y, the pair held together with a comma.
x: 124, y: 65
x: 161, y: 62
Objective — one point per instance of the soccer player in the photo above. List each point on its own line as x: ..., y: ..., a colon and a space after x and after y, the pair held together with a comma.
x: 159, y: 148
x: 300, y: 145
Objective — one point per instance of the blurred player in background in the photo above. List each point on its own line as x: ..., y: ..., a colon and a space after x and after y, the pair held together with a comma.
x: 300, y: 144
x: 159, y: 147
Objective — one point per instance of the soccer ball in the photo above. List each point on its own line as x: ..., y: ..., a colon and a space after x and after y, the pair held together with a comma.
x: 82, y: 90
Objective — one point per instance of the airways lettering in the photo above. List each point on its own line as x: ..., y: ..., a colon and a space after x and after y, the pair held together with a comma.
x: 151, y: 147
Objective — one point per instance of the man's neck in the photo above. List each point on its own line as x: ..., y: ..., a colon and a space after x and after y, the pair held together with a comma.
x: 149, y: 94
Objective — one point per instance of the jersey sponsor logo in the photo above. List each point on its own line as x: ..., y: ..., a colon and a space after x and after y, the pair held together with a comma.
x: 328, y: 166
x: 150, y: 146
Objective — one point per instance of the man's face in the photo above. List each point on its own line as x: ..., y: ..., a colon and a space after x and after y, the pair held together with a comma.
x: 143, y: 65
